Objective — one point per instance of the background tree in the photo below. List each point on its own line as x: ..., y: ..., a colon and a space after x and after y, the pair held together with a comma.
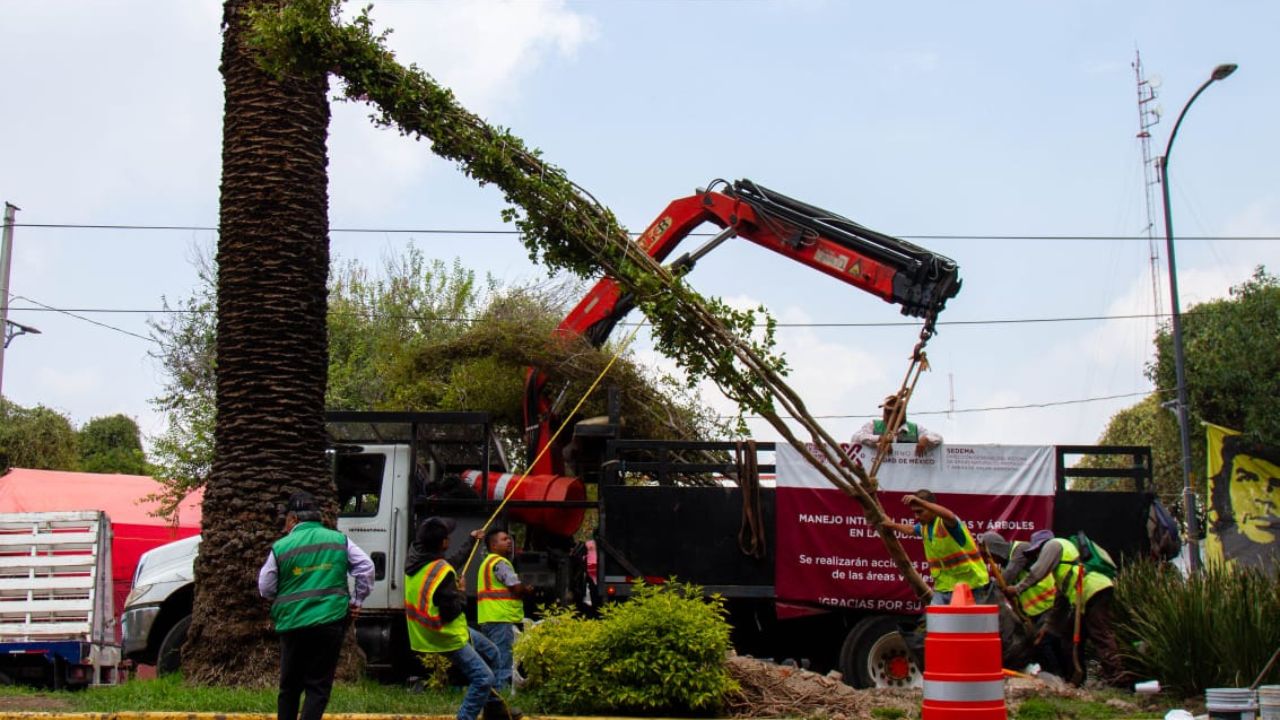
x: 418, y: 335
x: 273, y: 262
x: 36, y: 438
x: 112, y: 444
x: 1232, y: 353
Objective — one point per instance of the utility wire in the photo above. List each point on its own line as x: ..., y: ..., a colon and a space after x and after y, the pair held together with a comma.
x: 1027, y: 406
x: 445, y: 231
x: 78, y: 317
x: 898, y: 323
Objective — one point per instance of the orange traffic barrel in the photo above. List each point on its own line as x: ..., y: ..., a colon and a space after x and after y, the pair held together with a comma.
x: 963, y: 673
x: 535, y: 488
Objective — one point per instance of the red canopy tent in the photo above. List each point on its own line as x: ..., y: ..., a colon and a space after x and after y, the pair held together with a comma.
x: 123, y: 497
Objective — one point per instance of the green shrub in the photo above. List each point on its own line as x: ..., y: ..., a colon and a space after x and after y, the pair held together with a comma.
x: 661, y: 651
x: 1217, y: 628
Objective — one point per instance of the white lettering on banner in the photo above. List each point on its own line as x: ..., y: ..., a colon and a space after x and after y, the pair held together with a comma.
x: 1011, y: 470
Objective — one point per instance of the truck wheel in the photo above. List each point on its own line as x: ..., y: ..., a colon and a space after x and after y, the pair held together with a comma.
x: 874, y: 654
x: 169, y: 658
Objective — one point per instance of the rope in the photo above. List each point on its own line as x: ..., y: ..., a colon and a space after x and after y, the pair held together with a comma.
x: 751, y: 539
x: 919, y: 363
x: 511, y: 491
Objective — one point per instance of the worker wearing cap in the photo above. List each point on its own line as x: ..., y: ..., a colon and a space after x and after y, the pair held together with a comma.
x: 305, y: 577
x: 1036, y: 601
x: 908, y: 432
x: 434, y: 602
x: 949, y: 547
x: 500, y: 600
x: 1089, y: 593
x: 1038, y: 598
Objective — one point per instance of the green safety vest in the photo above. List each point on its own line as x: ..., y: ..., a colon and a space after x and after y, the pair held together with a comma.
x: 428, y: 632
x: 1039, y: 597
x: 950, y: 562
x: 1067, y: 576
x: 311, y: 587
x: 908, y: 433
x: 496, y: 602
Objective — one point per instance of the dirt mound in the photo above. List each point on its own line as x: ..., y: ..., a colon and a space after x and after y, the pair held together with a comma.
x: 770, y: 690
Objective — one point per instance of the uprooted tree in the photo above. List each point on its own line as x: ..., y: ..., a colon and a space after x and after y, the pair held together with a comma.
x: 276, y: 61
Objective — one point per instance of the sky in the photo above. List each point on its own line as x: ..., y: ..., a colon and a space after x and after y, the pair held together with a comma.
x: 983, y: 132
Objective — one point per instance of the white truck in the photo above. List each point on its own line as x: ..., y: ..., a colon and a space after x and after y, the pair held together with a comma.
x: 57, y: 620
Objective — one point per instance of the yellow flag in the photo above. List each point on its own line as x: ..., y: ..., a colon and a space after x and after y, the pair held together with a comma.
x: 1244, y: 499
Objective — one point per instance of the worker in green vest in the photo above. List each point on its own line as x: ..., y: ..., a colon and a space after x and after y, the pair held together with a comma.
x: 1081, y: 591
x: 434, y: 604
x: 908, y: 432
x: 305, y: 577
x: 500, y: 600
x: 948, y: 546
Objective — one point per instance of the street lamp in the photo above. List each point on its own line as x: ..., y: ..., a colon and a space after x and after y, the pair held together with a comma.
x: 1188, y: 494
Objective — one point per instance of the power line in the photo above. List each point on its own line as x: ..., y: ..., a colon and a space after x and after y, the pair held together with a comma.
x: 896, y: 323
x: 504, y: 232
x: 1027, y: 406
x: 79, y: 317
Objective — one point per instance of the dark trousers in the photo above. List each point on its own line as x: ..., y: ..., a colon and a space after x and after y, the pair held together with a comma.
x: 308, y: 661
x: 1100, y: 636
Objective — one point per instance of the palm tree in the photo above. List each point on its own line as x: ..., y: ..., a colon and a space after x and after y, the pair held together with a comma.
x: 273, y: 263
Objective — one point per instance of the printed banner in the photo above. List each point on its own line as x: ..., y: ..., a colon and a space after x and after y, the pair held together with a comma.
x: 828, y: 554
x: 1244, y: 499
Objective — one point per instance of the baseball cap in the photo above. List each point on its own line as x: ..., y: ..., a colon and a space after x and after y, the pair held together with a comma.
x: 995, y: 544
x: 1039, y: 538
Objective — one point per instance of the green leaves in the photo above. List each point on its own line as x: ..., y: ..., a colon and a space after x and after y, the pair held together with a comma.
x: 661, y: 651
x: 1216, y: 628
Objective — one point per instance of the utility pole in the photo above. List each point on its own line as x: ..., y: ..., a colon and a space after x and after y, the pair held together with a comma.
x: 6, y: 255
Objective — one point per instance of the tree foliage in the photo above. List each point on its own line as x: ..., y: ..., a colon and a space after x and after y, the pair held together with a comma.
x: 37, y: 438
x: 1232, y: 354
x: 1232, y: 350
x: 419, y: 334
x: 112, y: 444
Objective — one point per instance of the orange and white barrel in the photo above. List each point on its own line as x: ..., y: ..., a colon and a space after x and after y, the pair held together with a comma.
x: 963, y: 673
x: 535, y: 488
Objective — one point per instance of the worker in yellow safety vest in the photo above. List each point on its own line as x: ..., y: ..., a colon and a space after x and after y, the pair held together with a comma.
x: 1079, y: 590
x: 948, y: 546
x: 434, y: 604
x: 1036, y: 602
x: 500, y: 600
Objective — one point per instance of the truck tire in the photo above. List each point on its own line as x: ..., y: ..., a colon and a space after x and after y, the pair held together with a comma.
x: 875, y: 654
x: 169, y: 657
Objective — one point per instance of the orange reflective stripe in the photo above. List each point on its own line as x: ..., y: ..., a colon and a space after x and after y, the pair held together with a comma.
x: 956, y: 559
x: 422, y: 612
x: 1037, y: 599
x: 503, y: 594
x: 427, y: 621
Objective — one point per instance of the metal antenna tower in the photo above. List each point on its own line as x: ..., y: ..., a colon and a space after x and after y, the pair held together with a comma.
x: 1148, y: 116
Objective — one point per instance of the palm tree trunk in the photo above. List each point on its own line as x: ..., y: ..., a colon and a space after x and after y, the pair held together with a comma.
x: 273, y: 263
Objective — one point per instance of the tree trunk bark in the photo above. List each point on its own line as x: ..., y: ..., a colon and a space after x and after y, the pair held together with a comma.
x: 273, y: 263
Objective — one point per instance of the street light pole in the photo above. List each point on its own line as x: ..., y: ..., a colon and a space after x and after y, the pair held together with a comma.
x: 1188, y: 494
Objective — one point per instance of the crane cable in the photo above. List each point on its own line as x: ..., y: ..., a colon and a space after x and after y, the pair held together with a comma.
x: 511, y: 491
x: 919, y: 363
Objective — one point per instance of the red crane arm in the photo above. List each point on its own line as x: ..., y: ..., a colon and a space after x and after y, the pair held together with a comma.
x: 889, y: 268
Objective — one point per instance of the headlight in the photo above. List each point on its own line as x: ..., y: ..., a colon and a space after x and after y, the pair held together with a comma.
x: 137, y: 592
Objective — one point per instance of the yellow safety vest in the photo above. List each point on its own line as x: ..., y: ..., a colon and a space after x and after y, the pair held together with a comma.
x: 496, y: 602
x: 1069, y: 573
x: 428, y: 632
x: 1038, y: 598
x: 953, y: 561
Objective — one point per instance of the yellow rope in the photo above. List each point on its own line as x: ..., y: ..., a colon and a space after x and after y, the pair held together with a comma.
x: 512, y: 490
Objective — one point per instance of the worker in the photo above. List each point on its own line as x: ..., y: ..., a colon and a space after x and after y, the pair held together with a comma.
x: 1080, y: 591
x: 500, y: 600
x: 434, y: 602
x: 1036, y: 602
x: 305, y: 577
x: 908, y: 432
x: 951, y: 551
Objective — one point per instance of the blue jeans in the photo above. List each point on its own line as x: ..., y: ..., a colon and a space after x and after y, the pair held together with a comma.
x: 475, y: 660
x: 984, y: 595
x: 503, y: 636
